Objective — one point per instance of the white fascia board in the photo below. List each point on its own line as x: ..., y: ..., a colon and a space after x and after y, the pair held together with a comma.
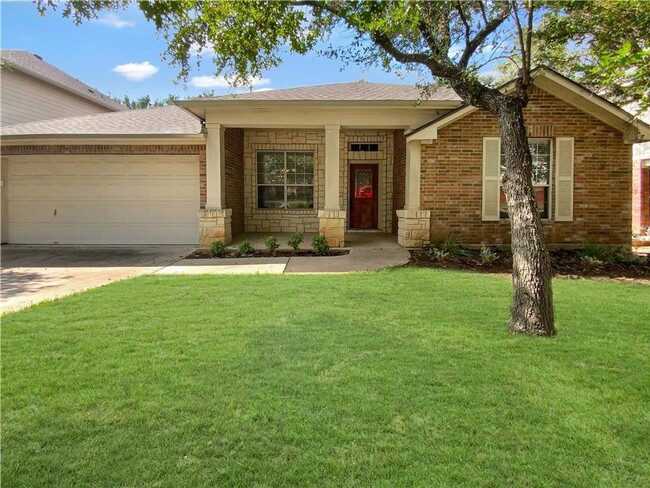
x: 431, y: 131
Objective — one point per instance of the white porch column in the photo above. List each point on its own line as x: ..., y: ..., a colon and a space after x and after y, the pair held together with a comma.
x: 331, y: 221
x: 332, y: 151
x: 412, y: 190
x: 413, y: 228
x: 215, y: 220
x: 215, y: 168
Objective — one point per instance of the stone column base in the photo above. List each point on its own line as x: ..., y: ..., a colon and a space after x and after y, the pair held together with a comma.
x: 331, y: 224
x: 414, y: 228
x: 215, y: 225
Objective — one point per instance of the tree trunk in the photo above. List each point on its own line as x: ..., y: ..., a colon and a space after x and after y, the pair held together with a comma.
x: 532, y: 301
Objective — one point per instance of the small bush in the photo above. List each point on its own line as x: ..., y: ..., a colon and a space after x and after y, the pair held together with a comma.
x: 449, y: 244
x: 487, y: 255
x: 295, y: 240
x: 246, y: 248
x: 601, y: 253
x: 438, y: 253
x: 218, y: 249
x: 271, y: 243
x: 320, y: 245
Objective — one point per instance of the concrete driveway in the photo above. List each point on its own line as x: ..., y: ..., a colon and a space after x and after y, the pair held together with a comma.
x: 32, y: 274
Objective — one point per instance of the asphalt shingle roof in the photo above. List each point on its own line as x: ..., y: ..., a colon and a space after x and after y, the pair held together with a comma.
x: 355, y: 91
x: 35, y: 65
x: 167, y: 120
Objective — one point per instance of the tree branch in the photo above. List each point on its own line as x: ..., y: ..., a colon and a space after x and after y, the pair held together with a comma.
x: 482, y: 35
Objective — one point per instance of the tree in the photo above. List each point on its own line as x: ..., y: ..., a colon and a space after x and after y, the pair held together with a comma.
x: 449, y: 40
x: 604, y: 45
x: 146, y: 102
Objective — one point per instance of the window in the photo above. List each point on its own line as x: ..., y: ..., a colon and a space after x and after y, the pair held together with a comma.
x: 540, y: 150
x: 285, y: 179
x: 364, y: 146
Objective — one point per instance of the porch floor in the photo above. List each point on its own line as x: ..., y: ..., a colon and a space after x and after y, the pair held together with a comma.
x: 368, y: 240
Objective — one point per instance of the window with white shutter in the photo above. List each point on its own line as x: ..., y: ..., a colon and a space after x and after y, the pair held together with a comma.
x: 564, y: 178
x: 491, y: 177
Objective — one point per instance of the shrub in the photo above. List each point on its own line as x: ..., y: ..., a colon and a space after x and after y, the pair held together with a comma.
x: 449, y: 244
x: 246, y: 248
x: 218, y: 249
x: 295, y: 240
x: 271, y: 243
x: 487, y: 255
x: 601, y: 253
x: 320, y: 245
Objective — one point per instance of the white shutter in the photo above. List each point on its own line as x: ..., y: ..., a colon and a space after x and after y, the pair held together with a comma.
x: 491, y: 177
x: 564, y: 179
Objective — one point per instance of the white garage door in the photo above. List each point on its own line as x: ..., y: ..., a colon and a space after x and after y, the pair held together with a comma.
x: 93, y: 199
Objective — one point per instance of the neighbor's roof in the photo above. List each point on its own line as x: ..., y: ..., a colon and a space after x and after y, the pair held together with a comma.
x: 35, y: 66
x: 169, y: 120
x: 355, y: 91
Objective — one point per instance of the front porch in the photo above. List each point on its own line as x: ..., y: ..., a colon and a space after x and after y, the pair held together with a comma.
x: 330, y: 181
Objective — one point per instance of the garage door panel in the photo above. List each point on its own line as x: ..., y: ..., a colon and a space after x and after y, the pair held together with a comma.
x: 104, y: 200
x: 25, y: 212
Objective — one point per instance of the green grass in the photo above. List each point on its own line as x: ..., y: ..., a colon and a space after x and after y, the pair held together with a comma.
x: 397, y: 378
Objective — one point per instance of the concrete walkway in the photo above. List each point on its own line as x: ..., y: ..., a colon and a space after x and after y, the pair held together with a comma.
x: 368, y: 252
x: 32, y: 274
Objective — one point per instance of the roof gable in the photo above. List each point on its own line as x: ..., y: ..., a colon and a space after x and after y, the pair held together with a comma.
x: 563, y: 88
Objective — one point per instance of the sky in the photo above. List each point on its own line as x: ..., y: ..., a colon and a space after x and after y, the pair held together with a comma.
x: 120, y: 54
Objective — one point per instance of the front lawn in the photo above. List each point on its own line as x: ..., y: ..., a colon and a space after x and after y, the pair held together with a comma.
x: 397, y: 378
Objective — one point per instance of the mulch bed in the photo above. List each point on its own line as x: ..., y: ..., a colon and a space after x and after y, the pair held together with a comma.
x: 568, y: 264
x: 205, y: 254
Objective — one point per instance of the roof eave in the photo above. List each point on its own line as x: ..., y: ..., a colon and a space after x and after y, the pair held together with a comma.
x: 634, y: 130
x: 85, y: 139
x: 198, y: 107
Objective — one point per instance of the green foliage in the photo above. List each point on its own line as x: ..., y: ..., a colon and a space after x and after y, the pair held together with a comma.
x: 607, y: 42
x: 218, y: 249
x: 602, y: 253
x: 246, y: 248
x: 487, y: 255
x: 295, y: 240
x: 320, y: 245
x: 271, y: 243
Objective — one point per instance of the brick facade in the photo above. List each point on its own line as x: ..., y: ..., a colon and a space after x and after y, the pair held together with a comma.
x: 234, y: 160
x: 399, y: 175
x: 452, y: 171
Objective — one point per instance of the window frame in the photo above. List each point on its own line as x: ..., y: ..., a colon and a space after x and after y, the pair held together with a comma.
x: 285, y: 184
x: 551, y: 165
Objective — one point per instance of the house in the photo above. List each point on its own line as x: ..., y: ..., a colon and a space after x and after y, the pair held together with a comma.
x: 32, y: 89
x: 641, y: 189
x: 329, y: 159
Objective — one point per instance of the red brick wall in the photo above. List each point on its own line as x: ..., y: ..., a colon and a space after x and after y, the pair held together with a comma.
x: 234, y: 142
x: 399, y: 174
x: 452, y: 169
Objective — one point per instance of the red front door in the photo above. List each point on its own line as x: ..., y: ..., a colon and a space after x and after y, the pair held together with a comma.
x: 363, y: 196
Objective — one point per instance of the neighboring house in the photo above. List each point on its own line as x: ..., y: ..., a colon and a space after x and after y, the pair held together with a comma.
x: 641, y: 189
x: 329, y: 159
x: 32, y: 89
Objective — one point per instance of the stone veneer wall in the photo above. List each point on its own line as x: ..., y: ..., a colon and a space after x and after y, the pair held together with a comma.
x: 399, y: 175
x: 452, y: 171
x: 234, y: 142
x: 385, y: 159
x: 280, y: 220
